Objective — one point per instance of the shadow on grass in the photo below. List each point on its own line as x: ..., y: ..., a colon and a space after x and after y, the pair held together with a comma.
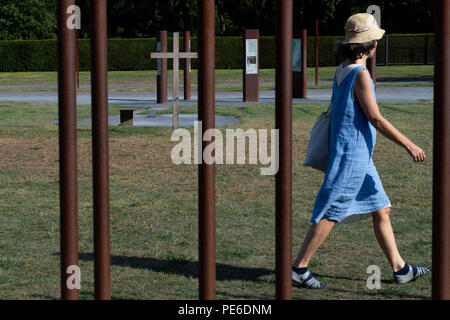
x: 90, y: 293
x: 348, y: 278
x: 382, y: 293
x: 184, y: 268
x: 394, y: 290
x: 406, y: 79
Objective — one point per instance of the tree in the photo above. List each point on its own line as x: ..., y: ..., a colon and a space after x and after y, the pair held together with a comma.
x: 36, y: 19
x: 27, y: 19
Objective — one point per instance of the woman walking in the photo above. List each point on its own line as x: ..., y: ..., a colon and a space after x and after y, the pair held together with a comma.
x: 352, y: 188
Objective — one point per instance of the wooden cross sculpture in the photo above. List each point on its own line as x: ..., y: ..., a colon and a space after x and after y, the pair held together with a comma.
x: 175, y: 55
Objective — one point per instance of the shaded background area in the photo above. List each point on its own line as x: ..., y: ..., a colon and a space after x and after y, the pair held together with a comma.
x: 36, y: 19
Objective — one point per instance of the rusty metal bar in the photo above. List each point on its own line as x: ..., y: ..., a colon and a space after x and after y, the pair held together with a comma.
x: 441, y: 154
x: 283, y: 179
x: 386, y: 50
x: 303, y: 81
x: 78, y: 59
x: 161, y: 78
x: 100, y: 152
x: 67, y: 149
x: 187, y: 66
x: 126, y: 117
x: 251, y: 77
x: 297, y: 77
x: 176, y: 79
x: 206, y: 173
x: 317, y: 53
x: 299, y: 81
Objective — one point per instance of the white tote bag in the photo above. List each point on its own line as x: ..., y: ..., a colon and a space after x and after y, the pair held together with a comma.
x: 319, y: 141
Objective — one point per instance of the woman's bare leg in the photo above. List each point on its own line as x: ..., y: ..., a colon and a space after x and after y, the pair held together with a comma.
x: 316, y: 235
x: 385, y: 237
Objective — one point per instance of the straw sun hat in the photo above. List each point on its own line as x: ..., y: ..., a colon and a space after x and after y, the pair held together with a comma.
x: 361, y: 28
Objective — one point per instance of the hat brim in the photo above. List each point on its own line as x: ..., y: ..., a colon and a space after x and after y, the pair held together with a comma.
x: 363, y: 37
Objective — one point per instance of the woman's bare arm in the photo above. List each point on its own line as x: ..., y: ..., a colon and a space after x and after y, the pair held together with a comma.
x: 366, y: 99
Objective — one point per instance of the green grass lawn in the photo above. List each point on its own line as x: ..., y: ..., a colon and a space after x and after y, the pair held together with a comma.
x: 224, y: 78
x: 154, y: 212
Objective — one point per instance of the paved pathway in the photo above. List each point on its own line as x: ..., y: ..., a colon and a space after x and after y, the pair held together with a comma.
x: 148, y: 99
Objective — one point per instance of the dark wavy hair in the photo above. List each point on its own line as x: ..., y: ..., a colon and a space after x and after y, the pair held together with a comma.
x: 353, y: 50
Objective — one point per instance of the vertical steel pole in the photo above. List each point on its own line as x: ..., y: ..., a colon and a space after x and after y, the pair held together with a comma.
x: 187, y: 66
x: 251, y: 77
x: 297, y: 76
x: 100, y: 152
x: 206, y: 173
x: 386, y: 48
x: 176, y: 79
x: 161, y: 78
x: 317, y: 53
x: 78, y: 59
x: 441, y: 154
x: 304, y: 81
x: 283, y: 179
x: 67, y: 149
x: 299, y: 79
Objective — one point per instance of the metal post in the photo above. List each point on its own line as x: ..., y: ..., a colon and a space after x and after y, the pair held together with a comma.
x: 251, y: 65
x: 161, y: 79
x: 297, y: 76
x: 299, y: 81
x: 67, y: 149
x: 176, y: 79
x: 283, y: 179
x: 187, y: 66
x: 386, y: 48
x: 100, y: 152
x: 303, y: 81
x: 126, y: 117
x: 441, y: 154
x: 78, y: 59
x: 206, y: 173
x: 317, y: 53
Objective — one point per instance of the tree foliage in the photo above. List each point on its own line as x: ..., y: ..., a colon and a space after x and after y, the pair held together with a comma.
x: 36, y: 19
x: 27, y: 19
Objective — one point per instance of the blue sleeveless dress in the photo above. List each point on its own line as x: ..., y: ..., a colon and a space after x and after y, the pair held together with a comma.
x: 351, y: 188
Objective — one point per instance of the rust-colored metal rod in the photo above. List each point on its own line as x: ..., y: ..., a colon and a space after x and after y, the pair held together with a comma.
x: 67, y: 149
x: 187, y: 66
x: 441, y: 154
x: 297, y: 76
x: 303, y: 79
x: 317, y: 53
x: 78, y: 59
x: 161, y: 78
x: 250, y: 81
x: 206, y: 173
x: 283, y: 179
x: 100, y: 152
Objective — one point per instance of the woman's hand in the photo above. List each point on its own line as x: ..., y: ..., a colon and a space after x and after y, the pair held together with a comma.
x: 364, y: 95
x: 416, y: 153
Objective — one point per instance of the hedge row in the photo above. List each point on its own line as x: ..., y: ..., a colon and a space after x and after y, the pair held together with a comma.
x: 134, y: 54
